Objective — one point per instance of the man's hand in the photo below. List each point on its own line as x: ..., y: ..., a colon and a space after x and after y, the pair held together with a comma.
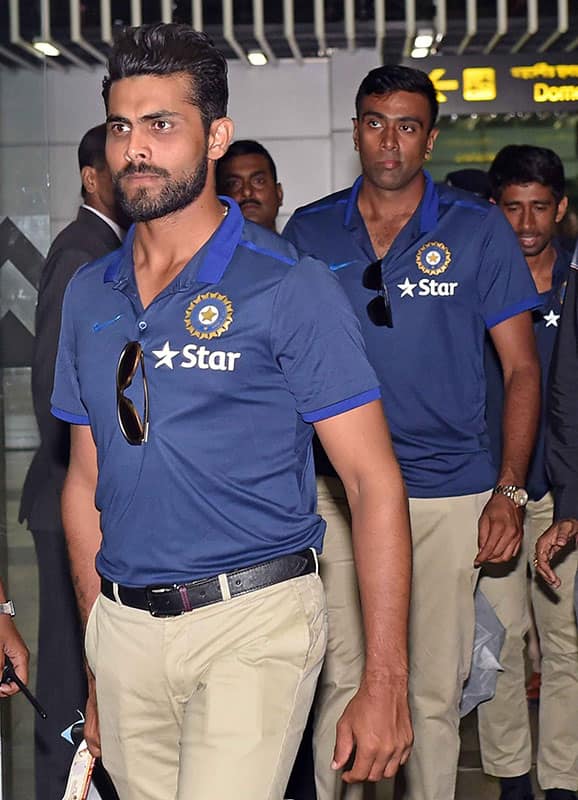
x: 376, y: 726
x: 12, y: 644
x: 551, y: 542
x: 499, y: 531
x: 91, y: 729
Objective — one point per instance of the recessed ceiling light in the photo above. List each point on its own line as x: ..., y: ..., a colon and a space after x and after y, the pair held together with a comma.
x: 257, y: 58
x: 420, y: 52
x: 423, y: 40
x: 46, y: 48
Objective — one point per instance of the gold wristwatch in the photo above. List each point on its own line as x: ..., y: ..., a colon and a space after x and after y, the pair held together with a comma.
x: 517, y: 494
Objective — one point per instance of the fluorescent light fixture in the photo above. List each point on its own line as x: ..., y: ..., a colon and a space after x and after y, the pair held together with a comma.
x: 257, y: 58
x: 423, y: 40
x: 420, y: 52
x: 46, y: 48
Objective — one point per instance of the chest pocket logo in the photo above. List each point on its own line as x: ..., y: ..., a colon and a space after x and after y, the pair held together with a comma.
x: 433, y: 258
x: 209, y: 315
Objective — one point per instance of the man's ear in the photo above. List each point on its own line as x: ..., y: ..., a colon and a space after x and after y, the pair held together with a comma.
x: 220, y: 137
x: 88, y: 178
x: 279, y: 189
x: 355, y: 133
x: 561, y: 210
x: 431, y: 140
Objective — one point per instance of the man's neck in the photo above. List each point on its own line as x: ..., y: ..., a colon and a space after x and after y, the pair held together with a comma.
x: 377, y: 202
x: 542, y: 267
x: 176, y: 238
x: 386, y: 212
x: 162, y: 247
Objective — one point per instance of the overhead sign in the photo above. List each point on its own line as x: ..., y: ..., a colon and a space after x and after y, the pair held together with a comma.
x: 502, y: 84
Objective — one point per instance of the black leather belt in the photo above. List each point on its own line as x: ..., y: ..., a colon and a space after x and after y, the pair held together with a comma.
x: 175, y: 599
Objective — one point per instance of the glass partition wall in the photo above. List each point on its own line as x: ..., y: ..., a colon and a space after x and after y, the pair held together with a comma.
x: 24, y: 240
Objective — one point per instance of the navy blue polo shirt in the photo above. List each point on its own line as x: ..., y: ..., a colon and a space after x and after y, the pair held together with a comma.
x: 545, y: 319
x: 247, y: 347
x: 453, y: 271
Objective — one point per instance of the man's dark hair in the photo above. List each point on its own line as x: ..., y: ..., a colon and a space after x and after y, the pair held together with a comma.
x: 523, y: 163
x: 395, y: 78
x: 172, y: 49
x: 245, y: 147
x: 91, y: 150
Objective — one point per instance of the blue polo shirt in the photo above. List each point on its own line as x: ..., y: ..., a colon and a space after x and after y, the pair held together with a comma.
x: 453, y: 271
x: 247, y: 347
x: 545, y: 319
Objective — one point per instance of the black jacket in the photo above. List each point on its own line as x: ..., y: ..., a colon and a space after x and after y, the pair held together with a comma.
x: 562, y: 406
x: 86, y: 239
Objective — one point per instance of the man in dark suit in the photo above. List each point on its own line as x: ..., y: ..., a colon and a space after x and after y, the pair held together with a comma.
x: 61, y: 683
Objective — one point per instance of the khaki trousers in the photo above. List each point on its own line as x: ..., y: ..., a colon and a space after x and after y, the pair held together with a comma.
x: 344, y: 658
x: 445, y: 542
x: 211, y: 704
x: 444, y: 533
x: 503, y: 722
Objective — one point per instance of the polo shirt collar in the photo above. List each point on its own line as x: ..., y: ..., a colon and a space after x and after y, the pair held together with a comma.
x: 428, y: 208
x: 208, y: 265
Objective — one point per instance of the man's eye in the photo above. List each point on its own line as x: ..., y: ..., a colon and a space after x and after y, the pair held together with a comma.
x: 117, y: 128
x: 374, y: 123
x: 407, y: 128
x: 161, y: 124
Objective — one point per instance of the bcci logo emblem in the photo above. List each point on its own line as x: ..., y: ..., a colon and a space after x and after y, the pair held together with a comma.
x: 433, y: 258
x: 209, y: 315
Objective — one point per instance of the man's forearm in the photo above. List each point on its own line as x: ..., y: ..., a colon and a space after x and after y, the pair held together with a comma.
x: 382, y: 550
x: 520, y: 423
x: 81, y: 522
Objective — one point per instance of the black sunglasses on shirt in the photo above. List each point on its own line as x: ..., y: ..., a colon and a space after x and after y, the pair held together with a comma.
x: 133, y: 428
x: 378, y: 309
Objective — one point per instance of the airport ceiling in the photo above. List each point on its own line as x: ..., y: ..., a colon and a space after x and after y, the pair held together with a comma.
x: 82, y: 30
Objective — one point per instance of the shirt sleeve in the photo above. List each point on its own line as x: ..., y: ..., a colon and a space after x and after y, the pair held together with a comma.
x: 562, y: 408
x: 317, y: 341
x: 505, y: 284
x: 66, y: 402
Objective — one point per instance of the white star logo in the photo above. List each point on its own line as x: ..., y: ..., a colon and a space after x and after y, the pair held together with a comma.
x: 407, y: 288
x: 165, y: 356
x: 551, y: 319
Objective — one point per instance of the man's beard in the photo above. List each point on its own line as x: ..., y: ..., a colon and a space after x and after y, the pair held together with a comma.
x: 175, y: 195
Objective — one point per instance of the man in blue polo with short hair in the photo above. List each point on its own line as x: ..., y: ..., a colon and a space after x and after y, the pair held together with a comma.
x: 193, y: 364
x: 528, y: 184
x: 428, y: 270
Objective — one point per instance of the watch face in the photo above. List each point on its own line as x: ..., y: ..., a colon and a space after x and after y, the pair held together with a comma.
x: 520, y: 497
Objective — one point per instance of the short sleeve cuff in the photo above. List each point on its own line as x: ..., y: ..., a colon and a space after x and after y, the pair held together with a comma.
x: 344, y: 405
x: 66, y: 416
x: 512, y: 311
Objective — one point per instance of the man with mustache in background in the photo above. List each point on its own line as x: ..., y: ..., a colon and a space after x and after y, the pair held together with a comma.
x: 248, y: 174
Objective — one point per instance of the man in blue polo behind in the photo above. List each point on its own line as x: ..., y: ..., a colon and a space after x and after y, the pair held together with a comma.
x: 193, y: 364
x: 528, y: 184
x: 428, y: 270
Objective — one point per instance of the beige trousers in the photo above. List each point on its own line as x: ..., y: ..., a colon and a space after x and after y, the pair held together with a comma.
x: 344, y: 659
x: 445, y: 533
x: 503, y: 722
x: 211, y: 704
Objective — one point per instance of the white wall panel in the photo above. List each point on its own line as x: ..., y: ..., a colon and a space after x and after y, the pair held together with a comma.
x: 289, y: 100
x: 347, y: 72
